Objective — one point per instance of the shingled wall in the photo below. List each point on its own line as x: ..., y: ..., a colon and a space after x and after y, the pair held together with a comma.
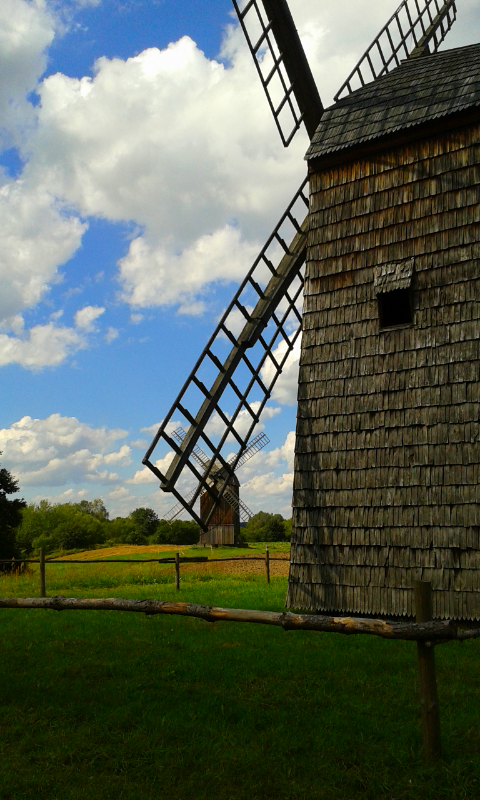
x: 386, y: 487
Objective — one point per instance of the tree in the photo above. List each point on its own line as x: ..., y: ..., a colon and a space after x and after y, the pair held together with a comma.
x: 96, y: 508
x: 145, y: 520
x: 265, y: 527
x: 10, y: 515
x: 122, y: 530
x: 177, y: 532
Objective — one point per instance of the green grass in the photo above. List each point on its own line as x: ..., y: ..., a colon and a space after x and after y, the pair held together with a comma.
x: 105, y: 705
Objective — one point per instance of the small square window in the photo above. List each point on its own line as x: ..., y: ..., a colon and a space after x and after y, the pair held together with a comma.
x: 395, y: 308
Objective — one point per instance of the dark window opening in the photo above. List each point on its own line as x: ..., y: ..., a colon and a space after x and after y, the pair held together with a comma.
x: 395, y: 308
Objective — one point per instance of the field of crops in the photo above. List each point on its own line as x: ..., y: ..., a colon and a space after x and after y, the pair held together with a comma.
x: 104, y: 705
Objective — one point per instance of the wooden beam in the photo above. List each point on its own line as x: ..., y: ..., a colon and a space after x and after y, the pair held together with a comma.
x: 432, y: 749
x: 436, y: 630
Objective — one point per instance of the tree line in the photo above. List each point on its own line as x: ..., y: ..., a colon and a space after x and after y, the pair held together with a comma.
x: 24, y: 529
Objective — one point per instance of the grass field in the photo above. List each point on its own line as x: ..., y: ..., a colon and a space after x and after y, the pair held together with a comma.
x: 105, y: 705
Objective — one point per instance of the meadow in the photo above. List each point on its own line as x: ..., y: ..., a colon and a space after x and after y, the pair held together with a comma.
x: 103, y: 705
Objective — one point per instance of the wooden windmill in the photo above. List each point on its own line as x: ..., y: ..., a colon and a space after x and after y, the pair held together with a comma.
x: 223, y: 525
x: 387, y: 444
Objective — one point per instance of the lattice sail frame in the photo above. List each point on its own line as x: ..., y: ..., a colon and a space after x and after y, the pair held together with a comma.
x: 281, y: 64
x: 267, y: 306
x: 410, y: 31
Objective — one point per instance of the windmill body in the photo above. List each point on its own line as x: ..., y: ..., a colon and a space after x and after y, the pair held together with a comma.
x: 386, y: 482
x: 387, y: 447
x: 224, y: 523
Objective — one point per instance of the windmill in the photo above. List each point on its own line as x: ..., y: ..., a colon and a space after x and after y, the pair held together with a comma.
x: 224, y: 524
x: 386, y: 208
x: 221, y: 381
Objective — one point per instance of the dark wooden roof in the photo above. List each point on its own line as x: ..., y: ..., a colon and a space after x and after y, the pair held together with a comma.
x: 422, y: 90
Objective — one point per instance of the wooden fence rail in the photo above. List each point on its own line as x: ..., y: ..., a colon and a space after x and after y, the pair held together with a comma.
x: 433, y: 631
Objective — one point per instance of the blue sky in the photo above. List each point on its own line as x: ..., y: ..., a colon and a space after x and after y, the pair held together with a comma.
x: 141, y: 174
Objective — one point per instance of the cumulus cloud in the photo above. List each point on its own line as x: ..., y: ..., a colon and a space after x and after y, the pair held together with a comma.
x: 153, y: 276
x: 111, y: 334
x: 152, y: 429
x: 26, y: 30
x: 58, y: 450
x: 85, y: 317
x: 36, y: 236
x: 145, y: 475
x: 177, y: 143
x: 43, y: 346
x: 267, y: 478
x: 285, y: 389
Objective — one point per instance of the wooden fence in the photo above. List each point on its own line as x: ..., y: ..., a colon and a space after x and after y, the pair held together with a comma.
x: 177, y: 559
x: 425, y: 631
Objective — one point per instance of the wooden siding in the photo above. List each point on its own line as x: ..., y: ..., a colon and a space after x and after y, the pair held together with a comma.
x: 218, y: 535
x: 386, y: 486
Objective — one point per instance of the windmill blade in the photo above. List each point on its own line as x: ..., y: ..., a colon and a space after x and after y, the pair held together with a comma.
x: 242, y: 510
x: 282, y: 66
x: 253, y: 447
x: 200, y: 457
x: 241, y: 362
x: 178, y: 508
x: 415, y: 26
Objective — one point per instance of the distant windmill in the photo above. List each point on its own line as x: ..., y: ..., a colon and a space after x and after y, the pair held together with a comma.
x: 387, y: 456
x: 223, y: 527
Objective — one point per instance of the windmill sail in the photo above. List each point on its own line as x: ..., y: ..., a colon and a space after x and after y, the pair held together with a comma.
x: 282, y: 66
x: 241, y: 364
x: 415, y: 26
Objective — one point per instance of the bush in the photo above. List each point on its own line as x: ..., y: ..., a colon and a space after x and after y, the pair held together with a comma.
x: 58, y: 527
x: 177, y: 532
x: 123, y: 530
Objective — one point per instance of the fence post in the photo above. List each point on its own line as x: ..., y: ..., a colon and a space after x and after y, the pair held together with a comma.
x: 427, y: 677
x: 267, y: 563
x: 177, y: 571
x: 42, y: 573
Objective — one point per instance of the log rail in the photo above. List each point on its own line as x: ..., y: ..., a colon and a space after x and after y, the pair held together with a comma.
x: 435, y: 631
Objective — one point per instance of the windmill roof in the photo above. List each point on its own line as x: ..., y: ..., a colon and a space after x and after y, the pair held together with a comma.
x: 419, y: 91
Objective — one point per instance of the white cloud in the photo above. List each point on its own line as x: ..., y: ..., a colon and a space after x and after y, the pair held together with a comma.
x: 85, y: 317
x: 43, y: 346
x: 152, y: 429
x: 262, y: 486
x: 145, y: 475
x: 178, y: 144
x: 285, y: 389
x: 153, y: 276
x: 35, y: 238
x: 141, y: 444
x: 26, y: 30
x: 58, y: 451
x: 111, y: 335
